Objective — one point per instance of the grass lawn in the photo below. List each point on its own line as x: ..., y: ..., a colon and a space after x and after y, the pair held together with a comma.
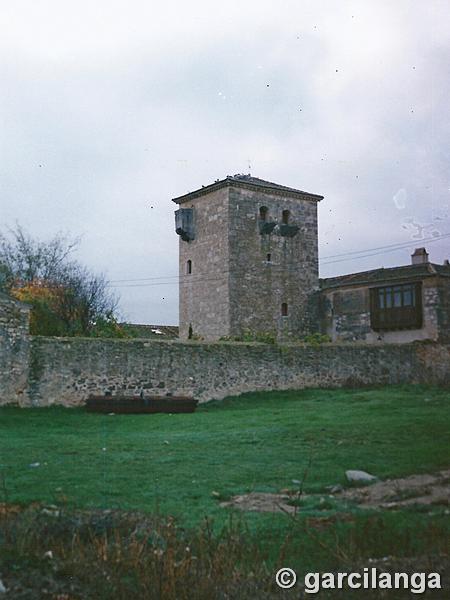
x: 171, y: 464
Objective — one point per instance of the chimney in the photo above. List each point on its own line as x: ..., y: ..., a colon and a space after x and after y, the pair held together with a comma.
x: 419, y: 257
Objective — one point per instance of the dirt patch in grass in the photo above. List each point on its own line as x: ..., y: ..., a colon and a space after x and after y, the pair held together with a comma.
x: 261, y: 502
x: 406, y: 491
x: 426, y: 489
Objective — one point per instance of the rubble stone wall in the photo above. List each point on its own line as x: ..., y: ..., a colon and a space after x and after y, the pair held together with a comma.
x: 66, y: 371
x: 42, y: 371
x: 14, y: 349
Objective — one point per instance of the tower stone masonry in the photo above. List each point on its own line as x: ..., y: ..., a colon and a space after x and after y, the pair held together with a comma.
x: 248, y: 255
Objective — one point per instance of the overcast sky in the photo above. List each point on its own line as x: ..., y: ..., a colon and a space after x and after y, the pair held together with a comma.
x: 111, y: 108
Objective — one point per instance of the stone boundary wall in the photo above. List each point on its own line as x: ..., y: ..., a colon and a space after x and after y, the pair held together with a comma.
x: 14, y: 349
x: 66, y: 370
x: 41, y: 371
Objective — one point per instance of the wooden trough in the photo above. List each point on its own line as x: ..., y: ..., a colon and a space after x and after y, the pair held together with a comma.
x: 139, y: 404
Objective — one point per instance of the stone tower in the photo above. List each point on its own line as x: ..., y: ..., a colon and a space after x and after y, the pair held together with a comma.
x: 248, y: 259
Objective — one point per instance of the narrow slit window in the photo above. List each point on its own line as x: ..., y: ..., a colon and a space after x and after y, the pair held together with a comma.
x: 284, y: 309
x: 269, y: 257
x: 285, y: 216
x: 189, y: 267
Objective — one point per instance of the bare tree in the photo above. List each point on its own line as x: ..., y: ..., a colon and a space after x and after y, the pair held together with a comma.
x: 67, y: 298
x: 84, y: 298
x: 29, y: 259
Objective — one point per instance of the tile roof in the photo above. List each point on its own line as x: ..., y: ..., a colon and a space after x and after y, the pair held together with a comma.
x: 249, y: 182
x: 387, y: 275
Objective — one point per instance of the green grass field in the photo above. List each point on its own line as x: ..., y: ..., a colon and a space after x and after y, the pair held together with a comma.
x: 171, y: 464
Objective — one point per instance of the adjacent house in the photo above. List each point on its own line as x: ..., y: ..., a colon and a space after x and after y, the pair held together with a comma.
x: 399, y: 304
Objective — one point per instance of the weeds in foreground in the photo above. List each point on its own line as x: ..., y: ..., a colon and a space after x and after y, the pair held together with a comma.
x: 112, y: 555
x: 50, y: 553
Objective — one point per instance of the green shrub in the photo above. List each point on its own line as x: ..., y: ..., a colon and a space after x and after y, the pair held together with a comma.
x: 316, y: 339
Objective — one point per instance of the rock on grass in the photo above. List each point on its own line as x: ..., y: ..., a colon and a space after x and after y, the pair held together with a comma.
x: 360, y: 477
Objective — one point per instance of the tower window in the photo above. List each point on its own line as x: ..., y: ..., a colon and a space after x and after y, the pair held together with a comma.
x: 284, y: 309
x: 263, y: 213
x: 285, y: 216
x: 269, y: 257
x: 189, y: 267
